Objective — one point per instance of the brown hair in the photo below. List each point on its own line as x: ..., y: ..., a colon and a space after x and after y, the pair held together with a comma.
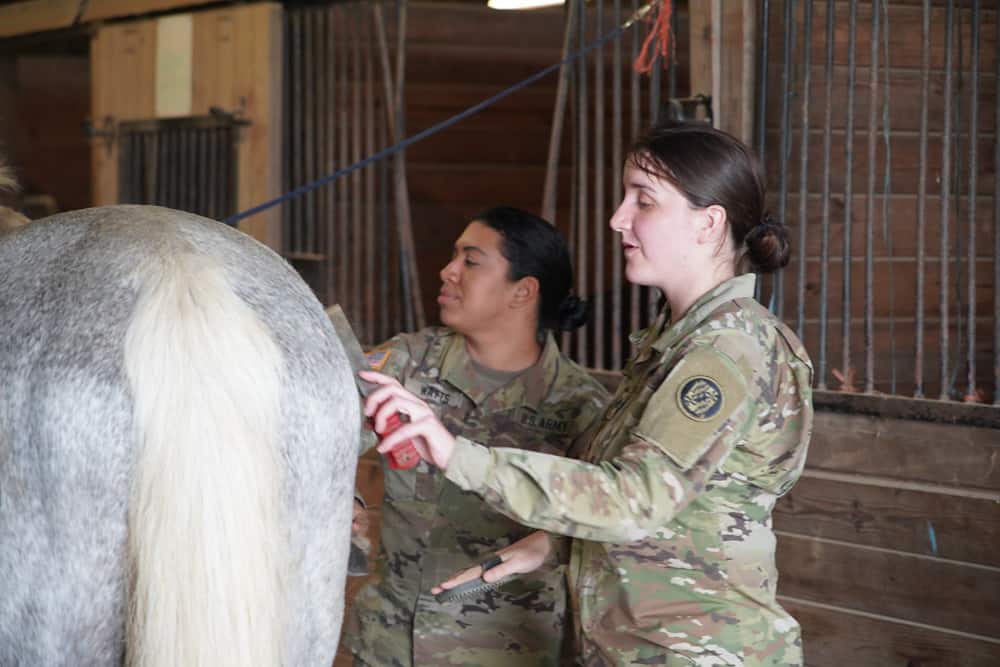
x: 710, y: 167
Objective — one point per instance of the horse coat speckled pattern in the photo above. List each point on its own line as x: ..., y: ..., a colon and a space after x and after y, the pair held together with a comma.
x: 178, y: 442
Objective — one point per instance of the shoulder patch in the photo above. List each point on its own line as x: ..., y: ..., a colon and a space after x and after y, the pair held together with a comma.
x: 378, y: 358
x: 700, y: 398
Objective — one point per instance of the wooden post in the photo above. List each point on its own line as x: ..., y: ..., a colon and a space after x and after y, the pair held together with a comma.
x: 722, y: 61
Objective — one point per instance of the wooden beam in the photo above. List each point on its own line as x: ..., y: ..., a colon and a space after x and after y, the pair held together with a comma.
x: 22, y: 18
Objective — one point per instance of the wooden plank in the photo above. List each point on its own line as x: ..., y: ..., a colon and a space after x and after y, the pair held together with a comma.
x: 905, y: 97
x: 20, y: 18
x: 700, y: 47
x: 901, y: 228
x: 100, y: 10
x: 962, y: 456
x: 258, y: 83
x: 905, y: 47
x: 905, y: 160
x: 900, y: 300
x: 947, y: 594
x: 172, y: 96
x: 104, y: 156
x: 930, y: 524
x: 835, y: 638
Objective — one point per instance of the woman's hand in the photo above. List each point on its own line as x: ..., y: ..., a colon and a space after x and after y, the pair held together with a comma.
x: 525, y: 555
x: 430, y: 438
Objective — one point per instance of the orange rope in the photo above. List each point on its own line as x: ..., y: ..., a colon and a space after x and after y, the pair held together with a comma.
x: 661, y: 34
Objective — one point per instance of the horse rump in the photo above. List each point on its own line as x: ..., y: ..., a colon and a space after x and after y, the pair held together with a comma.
x: 178, y: 439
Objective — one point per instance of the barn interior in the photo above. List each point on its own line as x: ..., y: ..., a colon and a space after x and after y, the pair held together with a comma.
x: 358, y: 138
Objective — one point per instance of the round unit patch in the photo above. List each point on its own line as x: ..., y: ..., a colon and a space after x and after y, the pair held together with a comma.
x: 700, y: 398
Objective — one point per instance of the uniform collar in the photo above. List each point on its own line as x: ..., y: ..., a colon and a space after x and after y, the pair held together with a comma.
x: 667, y: 333
x: 528, y: 388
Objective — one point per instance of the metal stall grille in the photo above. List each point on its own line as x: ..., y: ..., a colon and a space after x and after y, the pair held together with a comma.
x: 608, y: 105
x: 184, y: 163
x: 349, y: 239
x: 878, y: 125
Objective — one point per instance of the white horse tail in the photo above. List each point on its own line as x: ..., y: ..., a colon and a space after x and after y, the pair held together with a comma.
x: 206, y: 543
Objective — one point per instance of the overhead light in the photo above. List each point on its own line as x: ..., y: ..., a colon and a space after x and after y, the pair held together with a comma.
x: 522, y: 4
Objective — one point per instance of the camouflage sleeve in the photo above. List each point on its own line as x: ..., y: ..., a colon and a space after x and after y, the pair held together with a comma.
x: 690, y: 425
x: 391, y: 358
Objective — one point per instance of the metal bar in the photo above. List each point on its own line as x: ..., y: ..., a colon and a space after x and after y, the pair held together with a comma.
x: 286, y: 132
x: 672, y: 55
x: 309, y: 138
x: 298, y: 128
x: 970, y: 391
x: 848, y: 197
x: 343, y: 194
x: 209, y: 181
x: 870, y: 209
x: 634, y: 292
x: 616, y: 189
x: 654, y: 117
x: 330, y: 123
x: 804, y: 167
x: 382, y: 331
x: 414, y: 304
x: 558, y: 115
x: 320, y: 104
x: 778, y: 292
x: 824, y: 247
x: 996, y: 214
x: 600, y: 169
x: 918, y: 365
x: 356, y: 155
x: 204, y: 136
x: 582, y: 266
x: 887, y: 192
x: 765, y: 15
x: 369, y: 172
x: 387, y: 128
x: 945, y: 192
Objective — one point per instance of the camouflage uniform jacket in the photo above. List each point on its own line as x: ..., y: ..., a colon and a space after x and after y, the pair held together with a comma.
x: 432, y: 529
x: 672, y: 501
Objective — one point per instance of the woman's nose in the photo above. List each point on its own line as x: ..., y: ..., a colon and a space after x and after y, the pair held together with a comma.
x: 449, y: 272
x: 619, y: 219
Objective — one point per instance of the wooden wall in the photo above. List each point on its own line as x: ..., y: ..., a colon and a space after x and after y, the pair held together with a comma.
x: 895, y: 271
x: 236, y: 65
x: 458, y: 55
x: 44, y: 99
x: 887, y: 545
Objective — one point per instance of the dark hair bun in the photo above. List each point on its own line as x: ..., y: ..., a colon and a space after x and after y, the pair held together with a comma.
x: 768, y: 248
x: 573, y: 313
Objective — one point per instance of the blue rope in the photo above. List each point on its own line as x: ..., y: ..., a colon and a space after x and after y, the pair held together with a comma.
x: 392, y: 150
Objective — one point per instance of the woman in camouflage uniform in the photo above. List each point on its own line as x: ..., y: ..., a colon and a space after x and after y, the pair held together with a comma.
x: 671, y: 502
x: 492, y: 374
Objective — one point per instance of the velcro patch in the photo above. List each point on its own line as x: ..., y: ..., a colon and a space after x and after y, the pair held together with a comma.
x: 378, y: 358
x: 700, y: 398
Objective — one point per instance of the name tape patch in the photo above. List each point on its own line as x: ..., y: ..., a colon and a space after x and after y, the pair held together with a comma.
x: 700, y: 398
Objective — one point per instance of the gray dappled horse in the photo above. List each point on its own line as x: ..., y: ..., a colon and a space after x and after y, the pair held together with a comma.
x: 178, y: 441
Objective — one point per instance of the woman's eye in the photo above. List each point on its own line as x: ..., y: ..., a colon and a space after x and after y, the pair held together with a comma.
x: 643, y: 204
x: 469, y: 262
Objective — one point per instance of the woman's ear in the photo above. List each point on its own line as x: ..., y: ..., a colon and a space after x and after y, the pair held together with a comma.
x: 526, y: 292
x: 713, y: 225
